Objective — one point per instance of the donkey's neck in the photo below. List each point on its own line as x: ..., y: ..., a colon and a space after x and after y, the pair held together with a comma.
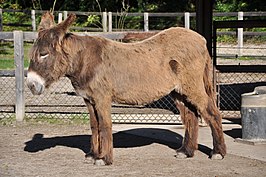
x: 84, y: 55
x: 72, y: 47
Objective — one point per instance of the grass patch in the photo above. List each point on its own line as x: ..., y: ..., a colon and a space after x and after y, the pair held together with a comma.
x: 55, y: 119
x: 7, y: 55
x: 245, y: 58
x: 8, y: 120
x: 75, y: 119
x: 6, y: 64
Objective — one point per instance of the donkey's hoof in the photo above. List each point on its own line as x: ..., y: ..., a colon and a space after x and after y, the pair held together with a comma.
x: 216, y: 157
x: 89, y: 155
x: 99, y: 162
x: 181, y: 155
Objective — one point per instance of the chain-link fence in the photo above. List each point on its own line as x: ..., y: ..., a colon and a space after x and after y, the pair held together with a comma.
x: 61, y: 102
x: 230, y: 87
x: 7, y: 82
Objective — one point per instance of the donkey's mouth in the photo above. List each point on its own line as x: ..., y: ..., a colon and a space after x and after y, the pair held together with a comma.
x: 35, y: 83
x: 35, y: 88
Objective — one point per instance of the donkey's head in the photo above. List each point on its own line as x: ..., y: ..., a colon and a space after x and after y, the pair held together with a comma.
x: 48, y: 61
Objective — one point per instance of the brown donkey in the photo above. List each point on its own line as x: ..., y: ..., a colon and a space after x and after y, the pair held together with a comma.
x: 174, y: 61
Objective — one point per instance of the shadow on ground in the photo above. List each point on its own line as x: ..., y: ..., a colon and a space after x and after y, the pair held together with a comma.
x: 234, y: 133
x: 123, y: 139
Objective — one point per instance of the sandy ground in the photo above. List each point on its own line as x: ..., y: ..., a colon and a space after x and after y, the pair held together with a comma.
x: 59, y: 150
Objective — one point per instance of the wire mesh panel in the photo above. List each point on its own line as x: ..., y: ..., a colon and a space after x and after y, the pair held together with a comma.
x: 60, y: 101
x: 241, y: 65
x: 7, y: 97
x: 231, y: 86
x: 7, y: 83
x: 231, y: 83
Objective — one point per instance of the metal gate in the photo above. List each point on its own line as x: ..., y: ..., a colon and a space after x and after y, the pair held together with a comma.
x: 238, y: 76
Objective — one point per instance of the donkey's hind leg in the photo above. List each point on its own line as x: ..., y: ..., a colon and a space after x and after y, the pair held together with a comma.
x: 207, y: 109
x: 190, y: 122
x: 214, y: 119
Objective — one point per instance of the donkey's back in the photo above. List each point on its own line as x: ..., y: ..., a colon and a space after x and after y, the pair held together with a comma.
x: 142, y: 72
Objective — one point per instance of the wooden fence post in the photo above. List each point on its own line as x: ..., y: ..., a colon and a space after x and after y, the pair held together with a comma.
x: 1, y: 20
x: 187, y: 20
x: 146, y: 21
x: 65, y: 15
x: 33, y: 21
x: 110, y: 22
x: 60, y: 17
x: 240, y: 35
x: 19, y: 74
x: 104, y: 21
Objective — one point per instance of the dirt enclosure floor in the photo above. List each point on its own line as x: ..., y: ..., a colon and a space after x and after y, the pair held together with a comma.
x: 59, y: 150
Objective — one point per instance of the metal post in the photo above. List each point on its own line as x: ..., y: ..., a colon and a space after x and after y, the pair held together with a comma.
x: 146, y: 21
x: 33, y: 21
x: 187, y: 20
x: 240, y: 35
x: 104, y: 21
x: 204, y: 20
x: 109, y: 21
x: 19, y: 74
x: 60, y: 17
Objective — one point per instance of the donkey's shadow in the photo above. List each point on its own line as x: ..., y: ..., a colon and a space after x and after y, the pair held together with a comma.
x: 123, y: 139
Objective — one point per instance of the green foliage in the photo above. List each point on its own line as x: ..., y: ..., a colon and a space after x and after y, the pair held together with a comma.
x: 239, y: 5
x: 93, y: 21
x: 131, y: 23
x: 135, y: 6
x: 226, y: 39
x: 15, y: 17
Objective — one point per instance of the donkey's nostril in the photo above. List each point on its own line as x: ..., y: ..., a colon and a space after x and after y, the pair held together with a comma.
x: 31, y: 85
x: 35, y: 88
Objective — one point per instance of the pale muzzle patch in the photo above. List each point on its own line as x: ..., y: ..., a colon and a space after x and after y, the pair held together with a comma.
x: 35, y: 83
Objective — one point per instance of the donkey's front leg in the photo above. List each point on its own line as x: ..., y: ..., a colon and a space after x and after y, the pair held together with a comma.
x: 102, y: 138
x: 94, y: 149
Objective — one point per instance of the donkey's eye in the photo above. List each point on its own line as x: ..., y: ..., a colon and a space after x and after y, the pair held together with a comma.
x: 43, y: 56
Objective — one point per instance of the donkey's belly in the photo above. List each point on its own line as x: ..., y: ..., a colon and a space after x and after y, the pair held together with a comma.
x: 144, y: 92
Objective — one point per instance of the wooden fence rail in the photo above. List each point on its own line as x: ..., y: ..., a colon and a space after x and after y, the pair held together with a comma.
x: 107, y: 24
x: 108, y: 17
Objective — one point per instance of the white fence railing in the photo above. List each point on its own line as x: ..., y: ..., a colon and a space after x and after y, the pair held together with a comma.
x: 107, y: 24
x: 107, y: 20
x: 107, y: 17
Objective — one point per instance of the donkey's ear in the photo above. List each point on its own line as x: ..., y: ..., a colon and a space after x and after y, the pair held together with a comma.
x: 63, y: 26
x: 47, y: 21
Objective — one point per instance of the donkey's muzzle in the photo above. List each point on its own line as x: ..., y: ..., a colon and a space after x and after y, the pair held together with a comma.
x: 35, y: 83
x: 35, y: 88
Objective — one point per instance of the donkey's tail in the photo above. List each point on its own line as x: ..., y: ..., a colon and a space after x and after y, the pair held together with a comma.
x: 208, y: 77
